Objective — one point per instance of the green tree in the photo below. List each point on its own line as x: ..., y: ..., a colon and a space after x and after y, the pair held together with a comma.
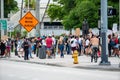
x: 86, y: 10
x: 9, y: 5
x: 73, y: 12
x: 55, y: 12
x: 24, y: 33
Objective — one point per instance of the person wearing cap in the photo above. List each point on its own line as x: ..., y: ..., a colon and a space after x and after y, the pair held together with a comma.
x: 49, y: 43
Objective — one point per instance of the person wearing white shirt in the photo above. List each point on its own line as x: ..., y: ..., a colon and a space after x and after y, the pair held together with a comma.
x: 73, y: 43
x: 87, y: 46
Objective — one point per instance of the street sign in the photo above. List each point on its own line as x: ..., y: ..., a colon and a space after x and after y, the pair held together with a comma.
x: 28, y: 21
x: 4, y: 24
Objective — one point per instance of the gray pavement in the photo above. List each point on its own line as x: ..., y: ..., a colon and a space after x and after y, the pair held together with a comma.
x: 67, y: 61
x: 10, y: 70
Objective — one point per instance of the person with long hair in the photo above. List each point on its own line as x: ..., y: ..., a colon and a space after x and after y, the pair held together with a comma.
x: 61, y: 46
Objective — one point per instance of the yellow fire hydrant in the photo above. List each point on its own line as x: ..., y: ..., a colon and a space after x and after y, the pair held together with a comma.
x: 75, y: 57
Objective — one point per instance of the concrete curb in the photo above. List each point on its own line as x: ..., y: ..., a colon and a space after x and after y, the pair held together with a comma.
x: 33, y: 62
x: 99, y: 68
x: 102, y: 68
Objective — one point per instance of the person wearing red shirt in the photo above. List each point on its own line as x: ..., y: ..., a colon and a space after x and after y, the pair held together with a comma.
x: 49, y: 43
x: 116, y: 47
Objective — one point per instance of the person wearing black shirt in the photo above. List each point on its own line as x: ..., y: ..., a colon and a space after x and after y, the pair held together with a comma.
x: 26, y: 49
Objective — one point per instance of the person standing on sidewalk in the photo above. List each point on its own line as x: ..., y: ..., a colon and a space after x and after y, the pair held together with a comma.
x: 16, y: 44
x: 8, y: 47
x: 49, y: 43
x: 30, y: 48
x: 2, y: 48
x: 26, y: 49
x: 61, y: 46
x: 94, y: 41
x: 53, y: 46
x: 73, y: 43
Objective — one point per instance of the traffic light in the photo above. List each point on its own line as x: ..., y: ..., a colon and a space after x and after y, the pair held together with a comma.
x: 111, y: 12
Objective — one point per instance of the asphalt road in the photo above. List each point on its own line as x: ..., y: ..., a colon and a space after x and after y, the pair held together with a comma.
x: 10, y: 70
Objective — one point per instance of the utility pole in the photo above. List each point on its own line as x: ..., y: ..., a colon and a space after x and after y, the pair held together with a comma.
x: 21, y: 14
x: 2, y: 9
x: 104, y: 26
x: 28, y: 5
x: 119, y: 16
x: 2, y: 16
x: 38, y: 18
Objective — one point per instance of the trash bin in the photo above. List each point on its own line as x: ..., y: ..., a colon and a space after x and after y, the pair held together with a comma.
x: 42, y: 52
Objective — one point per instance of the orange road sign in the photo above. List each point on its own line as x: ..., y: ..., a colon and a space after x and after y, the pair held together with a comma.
x: 28, y: 21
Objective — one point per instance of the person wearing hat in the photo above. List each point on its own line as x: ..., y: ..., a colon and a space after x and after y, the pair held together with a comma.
x: 49, y: 43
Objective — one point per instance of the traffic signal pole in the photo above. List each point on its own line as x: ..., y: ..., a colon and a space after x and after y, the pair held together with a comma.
x: 104, y: 26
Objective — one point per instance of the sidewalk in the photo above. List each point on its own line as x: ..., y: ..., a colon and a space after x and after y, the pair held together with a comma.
x: 67, y: 61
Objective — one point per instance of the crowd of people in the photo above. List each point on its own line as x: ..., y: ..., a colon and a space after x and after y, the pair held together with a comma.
x: 49, y: 46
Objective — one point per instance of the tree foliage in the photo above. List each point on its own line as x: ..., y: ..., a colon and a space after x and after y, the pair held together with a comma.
x: 9, y: 5
x: 55, y: 12
x: 73, y: 12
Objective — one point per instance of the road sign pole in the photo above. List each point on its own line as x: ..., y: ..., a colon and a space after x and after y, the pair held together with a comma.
x: 104, y: 24
x: 38, y: 18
